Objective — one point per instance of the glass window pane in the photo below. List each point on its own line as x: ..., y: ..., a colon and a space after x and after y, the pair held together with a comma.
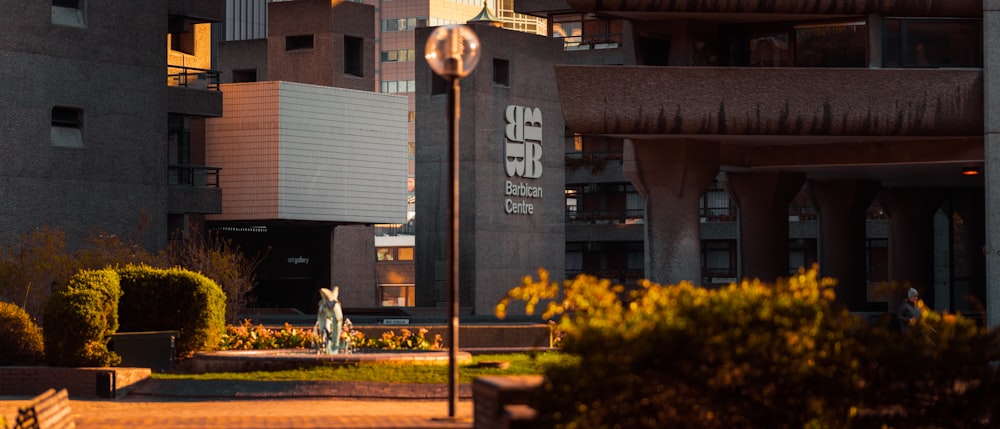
x: 405, y: 253
x: 831, y: 46
x: 769, y: 50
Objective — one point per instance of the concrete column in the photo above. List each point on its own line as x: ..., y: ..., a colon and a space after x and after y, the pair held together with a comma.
x: 352, y: 265
x: 991, y: 96
x: 842, y: 207
x: 911, y: 240
x: 763, y: 200
x: 671, y: 175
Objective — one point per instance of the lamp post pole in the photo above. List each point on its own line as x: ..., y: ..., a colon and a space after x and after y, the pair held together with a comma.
x: 452, y: 52
x: 454, y: 113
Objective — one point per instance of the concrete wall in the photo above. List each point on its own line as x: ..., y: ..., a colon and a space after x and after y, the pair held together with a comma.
x: 498, y: 248
x: 323, y: 64
x: 113, y: 70
x: 79, y: 382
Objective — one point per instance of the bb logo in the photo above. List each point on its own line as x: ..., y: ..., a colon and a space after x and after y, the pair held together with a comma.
x: 523, y: 152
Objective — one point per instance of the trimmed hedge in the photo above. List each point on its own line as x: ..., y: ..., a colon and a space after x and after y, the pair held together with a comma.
x: 80, y: 318
x: 173, y: 299
x: 20, y: 337
x: 755, y: 355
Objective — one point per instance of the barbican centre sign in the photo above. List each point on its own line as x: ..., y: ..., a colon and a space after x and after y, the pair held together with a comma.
x: 522, y: 159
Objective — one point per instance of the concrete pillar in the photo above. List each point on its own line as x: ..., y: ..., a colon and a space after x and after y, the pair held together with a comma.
x: 842, y: 207
x: 352, y: 265
x: 671, y: 175
x: 911, y: 241
x: 763, y: 200
x: 991, y: 96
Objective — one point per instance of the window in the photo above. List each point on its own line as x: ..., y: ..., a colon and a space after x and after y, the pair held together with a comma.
x: 297, y: 43
x: 718, y: 261
x: 396, y: 295
x: 398, y: 55
x: 411, y: 116
x: 384, y: 254
x: 67, y: 126
x: 395, y: 86
x: 403, y: 24
x: 801, y: 253
x: 933, y: 43
x: 769, y: 50
x: 586, y: 31
x: 843, y: 44
x: 354, y: 56
x: 716, y: 205
x: 501, y: 72
x: 249, y: 75
x: 69, y: 13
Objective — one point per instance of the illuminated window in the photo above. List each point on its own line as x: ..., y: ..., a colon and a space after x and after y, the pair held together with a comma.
x: 404, y: 254
x: 69, y: 13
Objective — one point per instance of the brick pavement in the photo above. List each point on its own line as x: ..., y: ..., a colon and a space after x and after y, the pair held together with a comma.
x: 224, y: 405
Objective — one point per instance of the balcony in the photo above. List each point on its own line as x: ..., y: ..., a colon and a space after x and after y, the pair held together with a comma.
x: 591, y: 167
x: 190, y: 77
x: 193, y: 91
x: 772, y: 102
x: 956, y: 8
x: 194, y: 189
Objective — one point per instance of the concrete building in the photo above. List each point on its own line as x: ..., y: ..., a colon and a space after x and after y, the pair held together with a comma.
x: 807, y: 114
x: 511, y: 212
x: 314, y: 156
x: 101, y: 129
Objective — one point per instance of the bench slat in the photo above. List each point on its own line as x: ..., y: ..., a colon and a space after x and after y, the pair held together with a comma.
x: 49, y: 410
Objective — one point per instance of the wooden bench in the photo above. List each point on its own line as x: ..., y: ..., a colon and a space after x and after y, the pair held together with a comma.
x: 50, y: 410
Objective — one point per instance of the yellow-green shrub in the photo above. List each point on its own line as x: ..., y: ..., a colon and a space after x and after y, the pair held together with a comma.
x: 20, y: 337
x: 173, y: 299
x: 748, y: 355
x: 80, y: 318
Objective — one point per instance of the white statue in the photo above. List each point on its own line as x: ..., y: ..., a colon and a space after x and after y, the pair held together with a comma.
x: 330, y: 320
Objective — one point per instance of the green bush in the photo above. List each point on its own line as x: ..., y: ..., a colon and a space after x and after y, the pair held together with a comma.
x: 20, y: 337
x: 753, y: 355
x: 80, y: 318
x: 173, y: 299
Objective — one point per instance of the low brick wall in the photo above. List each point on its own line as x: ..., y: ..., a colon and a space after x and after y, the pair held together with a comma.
x: 80, y: 382
x: 503, y: 402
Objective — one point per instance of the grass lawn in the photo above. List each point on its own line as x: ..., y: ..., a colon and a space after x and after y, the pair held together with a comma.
x: 520, y: 364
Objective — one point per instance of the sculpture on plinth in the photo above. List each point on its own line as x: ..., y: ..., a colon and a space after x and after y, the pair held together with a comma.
x: 329, y: 320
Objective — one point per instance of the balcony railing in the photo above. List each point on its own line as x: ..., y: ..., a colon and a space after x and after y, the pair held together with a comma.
x: 190, y: 77
x: 194, y: 176
x: 592, y: 41
x: 626, y: 276
x: 625, y: 216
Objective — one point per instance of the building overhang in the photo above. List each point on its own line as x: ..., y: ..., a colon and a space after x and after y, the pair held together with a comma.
x: 668, y: 9
x: 903, y: 125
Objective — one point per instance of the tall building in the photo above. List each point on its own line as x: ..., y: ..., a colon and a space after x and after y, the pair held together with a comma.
x: 313, y: 155
x: 759, y: 136
x: 246, y: 27
x: 712, y: 142
x: 102, y: 130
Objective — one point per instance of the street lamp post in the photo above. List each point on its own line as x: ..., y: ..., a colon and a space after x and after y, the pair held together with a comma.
x: 452, y: 51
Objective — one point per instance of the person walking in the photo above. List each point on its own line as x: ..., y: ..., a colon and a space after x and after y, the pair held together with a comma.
x: 909, y: 311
